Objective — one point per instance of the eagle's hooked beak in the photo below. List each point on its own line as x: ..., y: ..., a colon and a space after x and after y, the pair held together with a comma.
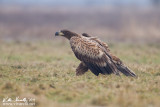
x: 59, y: 34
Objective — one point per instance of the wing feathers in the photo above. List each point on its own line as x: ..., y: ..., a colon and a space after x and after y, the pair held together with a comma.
x: 115, y: 60
x: 99, y: 69
x: 93, y: 68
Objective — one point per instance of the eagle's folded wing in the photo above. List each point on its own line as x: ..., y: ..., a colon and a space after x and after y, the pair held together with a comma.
x: 119, y: 64
x: 103, y: 44
x: 93, y: 56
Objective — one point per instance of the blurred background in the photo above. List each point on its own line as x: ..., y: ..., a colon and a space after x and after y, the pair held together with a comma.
x: 112, y: 20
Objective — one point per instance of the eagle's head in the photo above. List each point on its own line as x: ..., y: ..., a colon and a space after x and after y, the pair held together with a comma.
x: 66, y: 33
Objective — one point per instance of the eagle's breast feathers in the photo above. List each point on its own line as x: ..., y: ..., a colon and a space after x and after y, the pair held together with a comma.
x: 88, y: 50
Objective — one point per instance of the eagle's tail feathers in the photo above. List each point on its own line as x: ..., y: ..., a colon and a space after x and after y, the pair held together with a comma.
x: 126, y: 71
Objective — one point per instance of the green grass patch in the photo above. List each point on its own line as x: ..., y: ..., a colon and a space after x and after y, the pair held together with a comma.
x: 46, y: 71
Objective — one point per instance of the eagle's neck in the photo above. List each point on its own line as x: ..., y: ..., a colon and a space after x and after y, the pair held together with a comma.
x: 71, y: 35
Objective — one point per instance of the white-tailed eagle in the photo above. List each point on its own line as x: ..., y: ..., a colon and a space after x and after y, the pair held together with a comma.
x: 94, y: 55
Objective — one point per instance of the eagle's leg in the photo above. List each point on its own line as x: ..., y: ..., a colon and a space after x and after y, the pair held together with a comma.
x: 81, y: 69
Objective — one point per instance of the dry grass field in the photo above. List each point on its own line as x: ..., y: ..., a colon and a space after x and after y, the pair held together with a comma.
x: 46, y: 71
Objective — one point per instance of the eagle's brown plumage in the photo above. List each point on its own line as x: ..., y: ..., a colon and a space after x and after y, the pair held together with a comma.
x: 94, y: 55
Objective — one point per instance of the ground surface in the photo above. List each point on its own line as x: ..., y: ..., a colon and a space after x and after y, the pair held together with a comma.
x: 46, y: 72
